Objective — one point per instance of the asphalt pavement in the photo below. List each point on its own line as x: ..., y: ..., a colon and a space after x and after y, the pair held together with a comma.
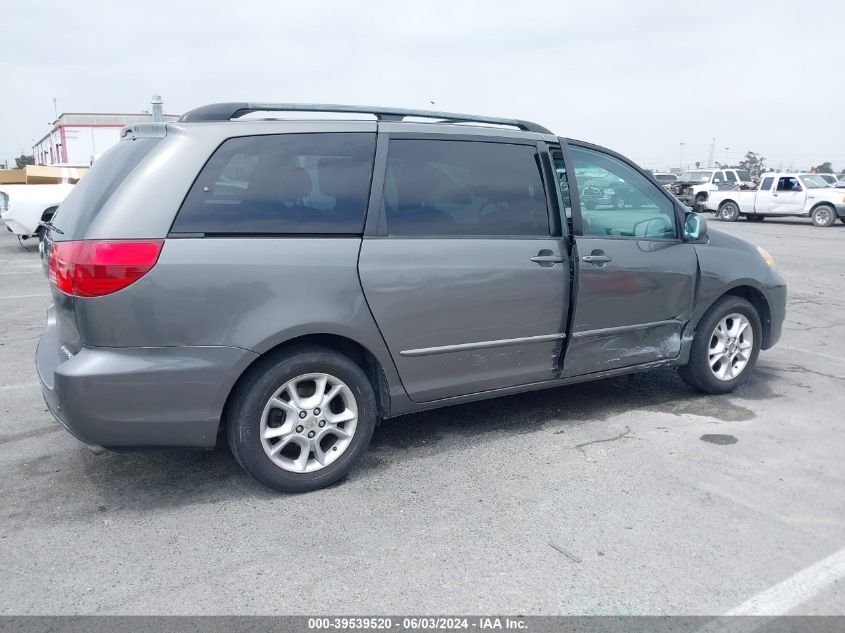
x: 633, y: 495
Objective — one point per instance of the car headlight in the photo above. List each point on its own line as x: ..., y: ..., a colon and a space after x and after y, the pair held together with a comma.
x: 770, y: 261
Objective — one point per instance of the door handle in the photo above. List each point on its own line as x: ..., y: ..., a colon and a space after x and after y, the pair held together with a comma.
x: 597, y: 260
x: 547, y: 259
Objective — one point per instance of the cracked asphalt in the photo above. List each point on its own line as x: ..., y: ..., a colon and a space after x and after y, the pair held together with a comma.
x: 589, y: 499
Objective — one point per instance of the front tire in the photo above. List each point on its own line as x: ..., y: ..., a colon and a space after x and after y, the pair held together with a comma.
x: 824, y: 215
x: 301, y: 421
x: 729, y: 212
x: 725, y: 347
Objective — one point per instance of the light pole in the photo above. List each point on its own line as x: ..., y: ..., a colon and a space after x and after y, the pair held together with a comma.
x: 681, y: 161
x: 726, y: 156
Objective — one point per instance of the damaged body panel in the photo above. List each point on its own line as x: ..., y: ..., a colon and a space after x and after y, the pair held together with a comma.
x: 632, y: 309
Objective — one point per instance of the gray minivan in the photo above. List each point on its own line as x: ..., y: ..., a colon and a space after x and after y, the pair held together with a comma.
x: 290, y: 283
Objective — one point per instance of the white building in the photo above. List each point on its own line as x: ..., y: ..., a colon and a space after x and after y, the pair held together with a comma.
x: 76, y: 138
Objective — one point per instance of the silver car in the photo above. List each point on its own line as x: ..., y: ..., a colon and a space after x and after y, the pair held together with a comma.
x: 290, y: 283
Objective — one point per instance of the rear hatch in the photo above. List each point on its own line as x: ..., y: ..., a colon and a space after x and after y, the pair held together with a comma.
x: 79, y: 268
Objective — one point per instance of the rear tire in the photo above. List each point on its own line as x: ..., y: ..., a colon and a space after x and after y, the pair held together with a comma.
x: 706, y: 361
x: 255, y: 425
x: 824, y: 215
x: 729, y: 212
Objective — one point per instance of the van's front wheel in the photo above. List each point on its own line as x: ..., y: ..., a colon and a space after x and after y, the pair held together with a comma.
x: 301, y: 421
x: 725, y: 347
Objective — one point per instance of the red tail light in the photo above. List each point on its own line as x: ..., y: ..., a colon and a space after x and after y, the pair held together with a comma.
x: 91, y: 268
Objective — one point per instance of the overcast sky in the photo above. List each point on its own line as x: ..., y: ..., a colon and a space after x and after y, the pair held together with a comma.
x: 639, y: 77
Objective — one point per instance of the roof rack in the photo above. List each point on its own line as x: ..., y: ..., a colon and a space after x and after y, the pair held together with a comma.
x: 228, y: 111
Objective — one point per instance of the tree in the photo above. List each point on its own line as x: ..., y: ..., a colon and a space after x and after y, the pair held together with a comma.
x: 824, y: 168
x: 754, y: 164
x: 23, y: 160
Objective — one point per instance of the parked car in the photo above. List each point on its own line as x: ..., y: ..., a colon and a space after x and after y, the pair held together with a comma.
x: 665, y: 179
x: 369, y: 269
x: 782, y: 194
x: 24, y: 207
x: 693, y: 187
x: 607, y: 190
x: 830, y: 179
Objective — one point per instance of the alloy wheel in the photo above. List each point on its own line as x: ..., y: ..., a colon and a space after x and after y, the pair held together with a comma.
x: 731, y: 344
x: 309, y: 422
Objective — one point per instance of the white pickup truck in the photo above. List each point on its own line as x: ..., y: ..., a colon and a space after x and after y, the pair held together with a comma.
x: 780, y: 195
x: 693, y: 187
x: 24, y: 207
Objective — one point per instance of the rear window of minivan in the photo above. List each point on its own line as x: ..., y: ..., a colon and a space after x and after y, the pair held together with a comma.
x: 85, y: 200
x: 282, y: 184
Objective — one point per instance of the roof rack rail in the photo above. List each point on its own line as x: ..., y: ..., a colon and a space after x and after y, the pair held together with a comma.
x: 228, y: 111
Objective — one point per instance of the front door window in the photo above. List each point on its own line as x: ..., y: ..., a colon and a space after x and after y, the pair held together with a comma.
x: 618, y: 201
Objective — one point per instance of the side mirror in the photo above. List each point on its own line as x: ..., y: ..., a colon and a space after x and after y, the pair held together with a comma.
x: 695, y: 227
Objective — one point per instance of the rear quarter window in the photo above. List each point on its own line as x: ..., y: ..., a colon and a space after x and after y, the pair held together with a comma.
x: 282, y: 184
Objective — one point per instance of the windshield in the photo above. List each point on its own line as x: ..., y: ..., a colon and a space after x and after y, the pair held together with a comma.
x: 696, y: 176
x: 813, y: 181
x: 664, y: 178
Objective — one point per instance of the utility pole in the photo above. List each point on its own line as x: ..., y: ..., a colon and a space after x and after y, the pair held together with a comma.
x: 681, y: 161
x: 712, y: 156
x: 726, y: 156
x: 55, y: 110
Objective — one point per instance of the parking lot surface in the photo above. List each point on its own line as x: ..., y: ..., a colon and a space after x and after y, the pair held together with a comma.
x: 632, y: 495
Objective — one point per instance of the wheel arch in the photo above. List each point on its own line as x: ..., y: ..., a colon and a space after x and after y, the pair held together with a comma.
x: 757, y: 299
x: 49, y: 212
x: 823, y: 203
x: 352, y: 349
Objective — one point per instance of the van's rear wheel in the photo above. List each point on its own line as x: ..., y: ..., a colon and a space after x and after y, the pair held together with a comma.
x: 301, y: 421
x: 729, y: 212
x: 725, y: 346
x: 824, y: 215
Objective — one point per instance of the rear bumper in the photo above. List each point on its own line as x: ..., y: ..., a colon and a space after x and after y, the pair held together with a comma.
x: 139, y: 397
x: 13, y: 226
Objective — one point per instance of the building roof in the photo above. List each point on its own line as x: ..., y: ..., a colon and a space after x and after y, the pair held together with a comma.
x: 106, y: 118
x: 100, y: 119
